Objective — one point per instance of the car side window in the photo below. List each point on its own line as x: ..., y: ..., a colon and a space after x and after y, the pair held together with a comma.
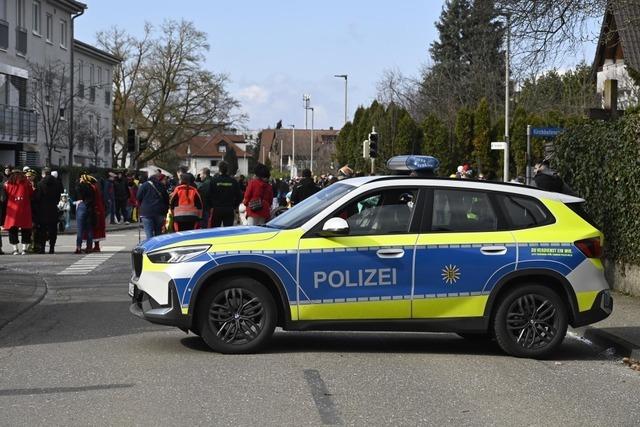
x: 524, y: 212
x: 462, y: 210
x: 383, y: 212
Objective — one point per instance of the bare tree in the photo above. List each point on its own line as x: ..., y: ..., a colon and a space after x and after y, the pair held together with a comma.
x: 51, y: 100
x: 163, y: 89
x: 544, y: 31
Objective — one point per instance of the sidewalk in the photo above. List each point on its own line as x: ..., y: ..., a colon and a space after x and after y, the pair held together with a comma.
x: 621, y: 330
x: 110, y: 228
x: 19, y: 291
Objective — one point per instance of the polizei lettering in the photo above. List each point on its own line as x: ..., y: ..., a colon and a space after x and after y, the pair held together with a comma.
x: 351, y: 279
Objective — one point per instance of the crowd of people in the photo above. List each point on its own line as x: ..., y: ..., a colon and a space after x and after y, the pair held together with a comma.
x: 33, y: 211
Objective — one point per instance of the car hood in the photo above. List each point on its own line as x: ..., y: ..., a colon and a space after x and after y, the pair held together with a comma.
x: 230, y: 235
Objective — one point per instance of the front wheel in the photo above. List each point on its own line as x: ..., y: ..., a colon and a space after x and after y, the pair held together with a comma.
x: 531, y: 321
x: 237, y: 315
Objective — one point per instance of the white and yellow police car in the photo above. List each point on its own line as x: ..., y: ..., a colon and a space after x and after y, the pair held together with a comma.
x: 404, y: 253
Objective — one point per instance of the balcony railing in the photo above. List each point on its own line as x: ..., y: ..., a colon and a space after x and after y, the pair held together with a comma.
x: 18, y: 124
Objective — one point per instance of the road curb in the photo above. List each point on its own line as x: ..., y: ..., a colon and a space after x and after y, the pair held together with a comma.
x: 607, y: 339
x: 42, y: 288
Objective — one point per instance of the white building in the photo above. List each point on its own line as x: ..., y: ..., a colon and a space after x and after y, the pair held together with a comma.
x: 618, y: 50
x: 32, y: 33
x: 208, y: 151
x: 93, y: 105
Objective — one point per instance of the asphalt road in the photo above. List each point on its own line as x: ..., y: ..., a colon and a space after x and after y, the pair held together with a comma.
x: 80, y: 358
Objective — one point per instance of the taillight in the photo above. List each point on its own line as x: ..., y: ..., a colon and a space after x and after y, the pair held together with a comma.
x: 590, y: 247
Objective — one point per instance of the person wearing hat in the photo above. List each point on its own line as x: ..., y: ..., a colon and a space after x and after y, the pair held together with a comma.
x: 85, y: 212
x: 345, y: 172
x: 48, y: 194
x: 19, y: 193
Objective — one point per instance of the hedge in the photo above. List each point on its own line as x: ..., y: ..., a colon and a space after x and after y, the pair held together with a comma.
x: 600, y: 161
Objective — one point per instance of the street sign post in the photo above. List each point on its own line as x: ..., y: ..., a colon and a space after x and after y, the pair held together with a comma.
x: 499, y: 145
x: 548, y: 132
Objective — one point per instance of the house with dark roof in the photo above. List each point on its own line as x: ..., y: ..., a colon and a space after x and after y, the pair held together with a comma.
x: 618, y: 51
x: 208, y: 151
x: 277, y: 146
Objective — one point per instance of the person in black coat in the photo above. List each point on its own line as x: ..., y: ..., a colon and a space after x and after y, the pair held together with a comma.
x: 304, y: 189
x: 121, y: 192
x: 48, y: 194
x: 224, y: 197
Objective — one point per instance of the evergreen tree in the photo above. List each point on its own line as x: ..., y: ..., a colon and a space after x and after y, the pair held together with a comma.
x: 463, y: 149
x: 482, y: 139
x: 231, y: 159
x: 342, y: 144
x: 518, y: 140
x: 436, y: 143
x: 409, y: 137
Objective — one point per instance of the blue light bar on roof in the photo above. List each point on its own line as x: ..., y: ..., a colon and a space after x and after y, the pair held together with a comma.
x: 413, y: 163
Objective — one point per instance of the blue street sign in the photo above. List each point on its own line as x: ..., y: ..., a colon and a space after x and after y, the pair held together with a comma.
x: 546, y: 132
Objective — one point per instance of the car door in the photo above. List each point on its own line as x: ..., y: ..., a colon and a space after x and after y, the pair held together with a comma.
x: 368, y: 273
x: 460, y: 254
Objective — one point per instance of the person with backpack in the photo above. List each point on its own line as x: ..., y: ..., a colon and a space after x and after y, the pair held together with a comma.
x: 153, y: 201
x: 259, y: 196
x: 186, y: 204
x: 307, y: 187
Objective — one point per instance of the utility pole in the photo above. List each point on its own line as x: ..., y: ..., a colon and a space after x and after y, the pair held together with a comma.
x: 306, y: 100
x: 293, y: 151
x: 312, y: 114
x: 505, y: 173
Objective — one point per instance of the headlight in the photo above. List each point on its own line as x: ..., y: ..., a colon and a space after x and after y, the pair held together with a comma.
x: 175, y: 255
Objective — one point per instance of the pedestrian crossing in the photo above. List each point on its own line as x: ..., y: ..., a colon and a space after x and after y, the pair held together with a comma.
x: 90, y: 262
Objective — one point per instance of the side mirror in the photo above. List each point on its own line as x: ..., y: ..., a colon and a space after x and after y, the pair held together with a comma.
x: 335, y: 227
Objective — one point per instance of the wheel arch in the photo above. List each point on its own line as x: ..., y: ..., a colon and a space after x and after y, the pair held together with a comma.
x: 261, y: 273
x: 545, y: 277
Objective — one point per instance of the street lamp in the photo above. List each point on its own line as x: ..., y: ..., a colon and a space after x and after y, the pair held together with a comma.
x: 505, y: 173
x: 312, y: 114
x: 293, y: 151
x: 344, y: 76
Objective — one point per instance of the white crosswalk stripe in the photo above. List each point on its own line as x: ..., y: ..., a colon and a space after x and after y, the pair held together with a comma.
x: 90, y: 262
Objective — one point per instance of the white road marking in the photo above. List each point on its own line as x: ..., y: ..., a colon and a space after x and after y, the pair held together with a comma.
x: 90, y: 262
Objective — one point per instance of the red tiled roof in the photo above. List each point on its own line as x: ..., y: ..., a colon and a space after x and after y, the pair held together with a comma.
x: 207, y: 146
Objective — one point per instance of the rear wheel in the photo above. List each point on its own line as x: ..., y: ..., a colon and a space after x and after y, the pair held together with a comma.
x: 531, y: 321
x: 237, y: 315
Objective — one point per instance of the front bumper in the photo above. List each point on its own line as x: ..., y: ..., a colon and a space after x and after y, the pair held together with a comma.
x: 145, y: 307
x: 601, y: 309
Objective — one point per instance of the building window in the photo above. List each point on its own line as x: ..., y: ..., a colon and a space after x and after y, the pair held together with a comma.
x: 20, y: 13
x: 3, y: 10
x: 107, y: 97
x: 49, y: 28
x: 63, y: 33
x: 107, y: 146
x: 92, y: 83
x: 37, y: 17
x: 80, y: 79
x: 98, y: 124
x: 99, y: 76
x: 213, y: 163
x: 222, y: 148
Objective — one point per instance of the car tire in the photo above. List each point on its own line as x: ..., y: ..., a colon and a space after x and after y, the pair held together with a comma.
x: 237, y: 315
x: 530, y: 321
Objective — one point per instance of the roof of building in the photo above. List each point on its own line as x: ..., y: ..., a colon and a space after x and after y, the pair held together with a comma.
x: 208, y: 146
x: 72, y: 5
x: 621, y: 24
x: 99, y: 54
x: 272, y: 138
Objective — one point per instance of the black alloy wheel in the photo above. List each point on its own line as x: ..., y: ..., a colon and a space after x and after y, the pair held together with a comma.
x: 531, y: 321
x: 237, y: 316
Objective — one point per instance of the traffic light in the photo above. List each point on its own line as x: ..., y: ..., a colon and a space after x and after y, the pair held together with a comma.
x: 373, y: 144
x: 131, y: 141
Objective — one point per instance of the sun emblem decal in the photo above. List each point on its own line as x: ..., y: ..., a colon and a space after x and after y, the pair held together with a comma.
x: 450, y: 274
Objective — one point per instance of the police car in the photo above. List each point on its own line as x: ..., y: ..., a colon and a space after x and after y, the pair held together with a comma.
x: 405, y: 253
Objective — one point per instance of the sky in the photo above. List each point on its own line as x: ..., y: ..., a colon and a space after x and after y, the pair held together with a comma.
x: 274, y: 51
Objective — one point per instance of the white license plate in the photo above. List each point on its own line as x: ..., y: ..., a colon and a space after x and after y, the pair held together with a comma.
x: 130, y: 289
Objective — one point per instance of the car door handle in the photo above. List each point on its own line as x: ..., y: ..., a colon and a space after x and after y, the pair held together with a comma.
x: 493, y: 250
x: 390, y: 253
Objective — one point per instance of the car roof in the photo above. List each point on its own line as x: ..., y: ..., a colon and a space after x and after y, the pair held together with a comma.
x: 506, y: 187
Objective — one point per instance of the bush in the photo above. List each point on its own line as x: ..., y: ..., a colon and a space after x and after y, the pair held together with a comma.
x: 599, y: 160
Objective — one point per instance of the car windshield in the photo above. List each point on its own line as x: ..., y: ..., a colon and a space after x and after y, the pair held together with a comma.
x: 309, y: 207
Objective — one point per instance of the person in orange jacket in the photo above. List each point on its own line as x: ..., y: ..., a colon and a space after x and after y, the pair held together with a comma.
x: 185, y: 204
